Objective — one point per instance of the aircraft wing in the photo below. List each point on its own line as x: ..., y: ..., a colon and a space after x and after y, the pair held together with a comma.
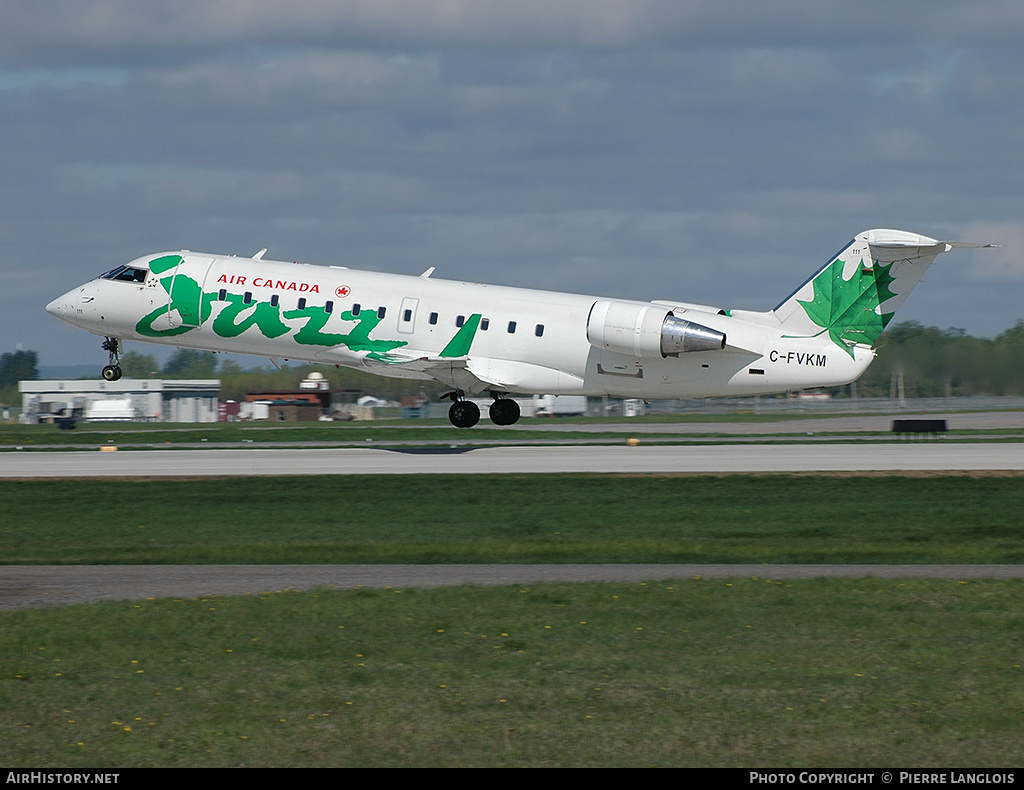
x: 452, y: 372
x: 481, y: 374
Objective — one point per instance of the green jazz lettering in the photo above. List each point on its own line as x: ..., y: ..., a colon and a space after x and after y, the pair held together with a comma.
x: 260, y: 314
x: 184, y: 297
x: 193, y: 307
x: 311, y: 333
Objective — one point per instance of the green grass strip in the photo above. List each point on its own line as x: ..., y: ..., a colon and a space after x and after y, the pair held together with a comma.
x: 515, y: 518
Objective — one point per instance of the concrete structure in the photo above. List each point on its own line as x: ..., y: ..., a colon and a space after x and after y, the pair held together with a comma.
x: 313, y: 400
x: 153, y: 400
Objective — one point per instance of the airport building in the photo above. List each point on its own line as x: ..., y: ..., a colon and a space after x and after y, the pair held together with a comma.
x: 126, y: 400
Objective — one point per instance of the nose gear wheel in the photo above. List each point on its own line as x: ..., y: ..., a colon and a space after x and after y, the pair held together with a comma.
x: 112, y: 371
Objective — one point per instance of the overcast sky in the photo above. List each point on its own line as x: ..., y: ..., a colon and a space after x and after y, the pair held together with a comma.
x: 713, y: 152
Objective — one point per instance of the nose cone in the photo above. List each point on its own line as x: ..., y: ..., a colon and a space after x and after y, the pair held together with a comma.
x: 63, y: 307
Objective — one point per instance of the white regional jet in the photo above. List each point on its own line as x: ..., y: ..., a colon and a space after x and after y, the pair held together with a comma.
x: 485, y: 338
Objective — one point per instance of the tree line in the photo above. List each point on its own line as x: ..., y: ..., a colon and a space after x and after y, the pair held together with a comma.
x: 935, y: 362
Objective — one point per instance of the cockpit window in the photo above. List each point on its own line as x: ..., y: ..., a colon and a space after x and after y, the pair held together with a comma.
x: 126, y: 273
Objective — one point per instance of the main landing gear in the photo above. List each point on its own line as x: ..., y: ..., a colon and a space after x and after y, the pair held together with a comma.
x: 504, y: 411
x: 465, y: 414
x: 112, y: 372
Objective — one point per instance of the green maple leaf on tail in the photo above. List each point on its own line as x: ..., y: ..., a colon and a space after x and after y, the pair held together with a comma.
x: 849, y: 309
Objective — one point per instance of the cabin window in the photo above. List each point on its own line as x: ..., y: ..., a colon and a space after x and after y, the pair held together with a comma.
x: 248, y: 297
x: 302, y: 303
x: 328, y: 307
x: 539, y: 331
x: 407, y: 316
x: 511, y: 327
x: 222, y: 294
x: 484, y: 323
x: 355, y: 309
x: 273, y: 300
x: 381, y: 311
x: 433, y: 319
x: 460, y: 320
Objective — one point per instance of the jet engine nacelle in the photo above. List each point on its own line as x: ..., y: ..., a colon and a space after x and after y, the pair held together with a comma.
x: 647, y: 330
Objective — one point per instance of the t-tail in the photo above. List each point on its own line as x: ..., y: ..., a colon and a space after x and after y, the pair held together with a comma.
x: 854, y: 297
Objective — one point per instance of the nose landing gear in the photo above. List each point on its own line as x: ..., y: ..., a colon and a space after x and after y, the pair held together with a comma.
x: 112, y: 372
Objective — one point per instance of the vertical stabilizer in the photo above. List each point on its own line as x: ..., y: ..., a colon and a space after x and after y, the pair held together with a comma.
x: 853, y: 298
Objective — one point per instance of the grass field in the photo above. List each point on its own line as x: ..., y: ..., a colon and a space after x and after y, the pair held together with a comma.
x: 748, y: 672
x: 745, y: 672
x: 515, y: 518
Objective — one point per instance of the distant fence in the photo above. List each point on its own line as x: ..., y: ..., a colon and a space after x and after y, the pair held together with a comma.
x: 769, y: 405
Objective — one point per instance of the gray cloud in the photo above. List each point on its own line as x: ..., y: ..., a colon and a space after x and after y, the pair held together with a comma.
x: 713, y: 152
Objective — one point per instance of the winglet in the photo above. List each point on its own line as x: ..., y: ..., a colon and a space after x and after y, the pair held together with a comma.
x: 259, y: 255
x: 427, y: 273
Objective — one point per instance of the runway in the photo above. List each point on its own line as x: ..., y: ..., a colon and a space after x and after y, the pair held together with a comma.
x: 36, y: 586
x: 27, y: 587
x: 929, y: 456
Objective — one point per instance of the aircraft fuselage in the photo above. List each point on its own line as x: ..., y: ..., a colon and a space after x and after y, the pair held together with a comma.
x: 472, y: 337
